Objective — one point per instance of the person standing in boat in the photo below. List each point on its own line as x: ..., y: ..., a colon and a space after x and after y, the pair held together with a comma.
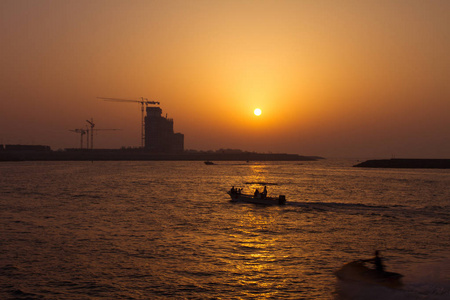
x: 264, y: 193
x: 377, y: 261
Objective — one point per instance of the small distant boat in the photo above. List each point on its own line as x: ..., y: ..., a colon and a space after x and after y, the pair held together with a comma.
x: 357, y: 271
x: 209, y: 163
x: 239, y: 197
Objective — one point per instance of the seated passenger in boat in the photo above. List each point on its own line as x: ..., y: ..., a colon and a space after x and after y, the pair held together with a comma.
x: 257, y: 194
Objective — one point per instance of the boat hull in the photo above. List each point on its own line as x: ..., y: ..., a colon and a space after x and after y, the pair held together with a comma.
x: 236, y: 197
x: 357, y: 271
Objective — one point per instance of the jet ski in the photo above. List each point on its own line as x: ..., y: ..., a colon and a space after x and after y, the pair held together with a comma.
x: 357, y: 271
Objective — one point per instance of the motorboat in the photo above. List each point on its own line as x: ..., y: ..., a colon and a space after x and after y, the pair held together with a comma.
x: 258, y: 199
x: 209, y: 163
x: 357, y: 271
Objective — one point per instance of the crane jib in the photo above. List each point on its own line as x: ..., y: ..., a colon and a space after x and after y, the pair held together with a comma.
x: 142, y: 102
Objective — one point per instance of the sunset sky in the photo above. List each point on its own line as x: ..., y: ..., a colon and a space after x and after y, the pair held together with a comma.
x: 332, y: 78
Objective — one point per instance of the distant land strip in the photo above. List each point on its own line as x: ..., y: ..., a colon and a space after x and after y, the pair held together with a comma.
x: 117, y: 155
x: 406, y: 163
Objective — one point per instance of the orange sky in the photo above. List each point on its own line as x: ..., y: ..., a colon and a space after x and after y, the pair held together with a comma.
x: 332, y: 78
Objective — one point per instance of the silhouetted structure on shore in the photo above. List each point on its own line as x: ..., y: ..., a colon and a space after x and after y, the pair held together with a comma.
x: 31, y: 148
x: 159, y: 134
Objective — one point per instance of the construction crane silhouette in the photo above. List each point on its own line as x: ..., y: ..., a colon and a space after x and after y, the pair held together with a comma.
x: 92, y: 125
x: 89, y: 134
x: 91, y: 131
x: 81, y: 132
x: 142, y: 102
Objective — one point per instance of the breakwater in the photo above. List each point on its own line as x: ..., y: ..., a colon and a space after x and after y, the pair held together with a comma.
x: 406, y: 163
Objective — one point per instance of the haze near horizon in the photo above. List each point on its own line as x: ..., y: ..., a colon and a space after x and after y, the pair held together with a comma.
x: 347, y: 79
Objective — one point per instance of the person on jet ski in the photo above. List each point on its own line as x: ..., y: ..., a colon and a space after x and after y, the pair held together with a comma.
x: 377, y: 261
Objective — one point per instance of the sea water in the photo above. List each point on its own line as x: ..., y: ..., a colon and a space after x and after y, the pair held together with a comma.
x: 167, y: 230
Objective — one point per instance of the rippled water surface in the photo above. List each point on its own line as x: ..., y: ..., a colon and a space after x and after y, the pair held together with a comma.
x: 166, y: 230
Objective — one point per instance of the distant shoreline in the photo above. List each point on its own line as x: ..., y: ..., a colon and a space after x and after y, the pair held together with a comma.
x: 118, y: 155
x: 406, y: 163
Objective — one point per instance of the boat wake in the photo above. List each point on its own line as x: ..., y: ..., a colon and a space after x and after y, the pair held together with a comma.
x: 416, y: 291
x: 424, y: 281
x: 334, y: 205
x: 441, y: 215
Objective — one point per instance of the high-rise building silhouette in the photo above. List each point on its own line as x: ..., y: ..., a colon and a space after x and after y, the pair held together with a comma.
x: 159, y: 134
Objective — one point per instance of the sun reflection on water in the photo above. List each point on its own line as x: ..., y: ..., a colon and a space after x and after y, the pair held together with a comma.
x: 257, y: 178
x: 255, y: 261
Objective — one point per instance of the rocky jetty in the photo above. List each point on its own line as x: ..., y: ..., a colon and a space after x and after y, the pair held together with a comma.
x: 406, y: 163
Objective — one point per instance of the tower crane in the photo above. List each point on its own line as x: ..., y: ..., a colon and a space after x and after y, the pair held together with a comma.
x: 91, y: 123
x: 91, y: 131
x: 86, y: 131
x: 142, y: 102
x: 81, y: 132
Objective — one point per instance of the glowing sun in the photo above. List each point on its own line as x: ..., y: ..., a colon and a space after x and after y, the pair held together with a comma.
x: 257, y: 112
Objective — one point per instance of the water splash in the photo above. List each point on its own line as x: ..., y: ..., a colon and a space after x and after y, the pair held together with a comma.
x: 424, y: 281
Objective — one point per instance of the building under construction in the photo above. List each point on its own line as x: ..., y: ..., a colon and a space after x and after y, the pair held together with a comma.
x: 159, y: 134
